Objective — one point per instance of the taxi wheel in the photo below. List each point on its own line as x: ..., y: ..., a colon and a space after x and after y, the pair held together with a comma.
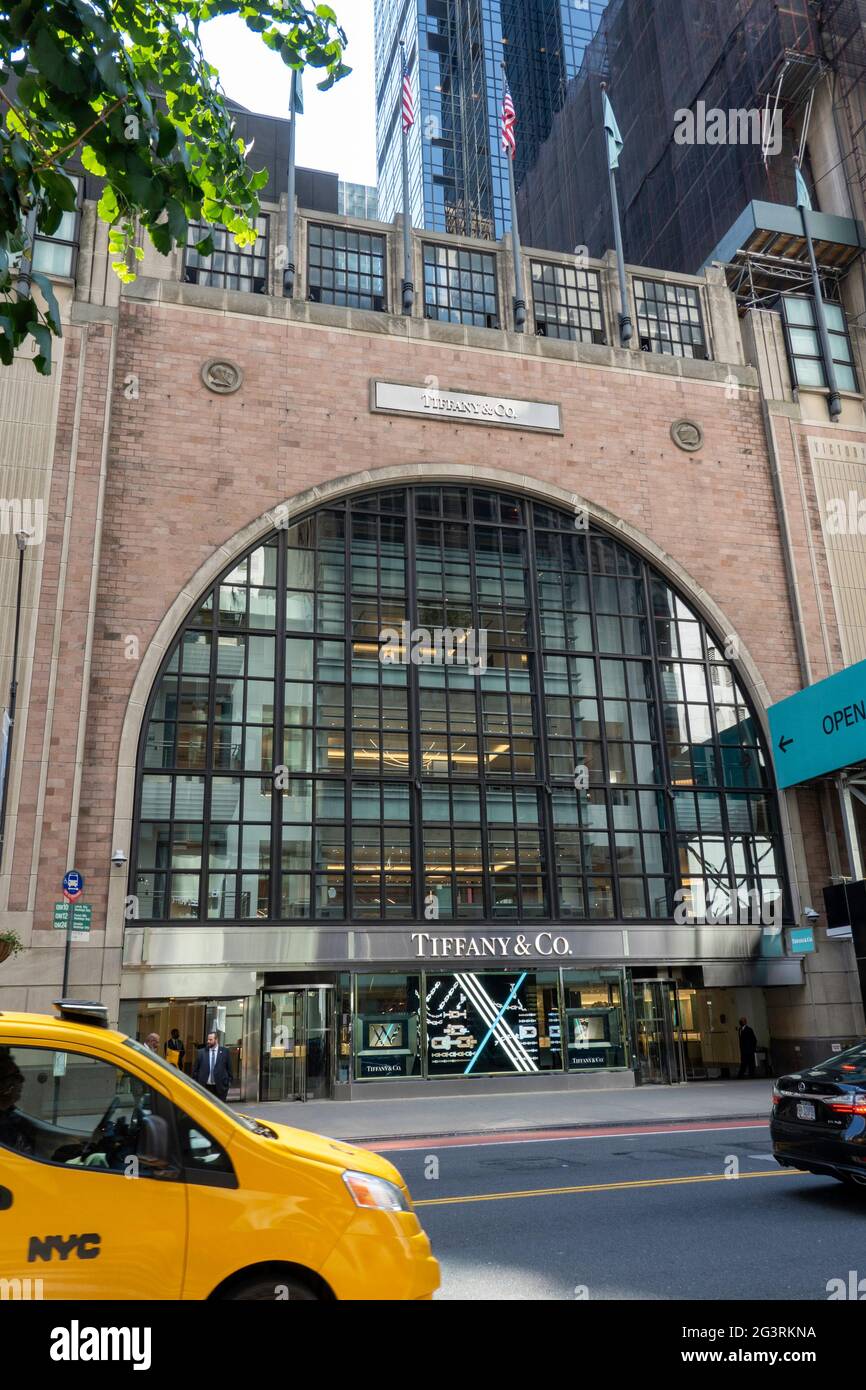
x: 851, y: 1179
x: 273, y: 1290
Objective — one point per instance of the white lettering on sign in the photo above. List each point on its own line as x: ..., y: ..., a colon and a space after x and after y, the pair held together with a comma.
x: 459, y: 947
x: 396, y: 398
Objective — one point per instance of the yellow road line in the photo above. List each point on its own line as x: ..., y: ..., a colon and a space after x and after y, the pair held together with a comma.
x: 603, y: 1187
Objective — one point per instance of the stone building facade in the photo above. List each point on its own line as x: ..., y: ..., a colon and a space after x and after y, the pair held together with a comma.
x: 158, y: 472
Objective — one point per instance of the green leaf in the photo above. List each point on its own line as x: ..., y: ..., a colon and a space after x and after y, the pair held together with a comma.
x: 21, y: 152
x: 109, y: 70
x: 51, y: 305
x: 56, y: 64
x: 108, y: 208
x: 161, y: 237
x: 177, y: 222
x: 60, y: 188
x: 42, y: 337
x: 92, y: 162
x: 167, y: 136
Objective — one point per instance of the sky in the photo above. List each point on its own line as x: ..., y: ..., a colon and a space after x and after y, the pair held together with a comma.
x: 338, y: 128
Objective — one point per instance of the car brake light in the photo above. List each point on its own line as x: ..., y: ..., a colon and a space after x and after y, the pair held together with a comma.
x: 855, y: 1106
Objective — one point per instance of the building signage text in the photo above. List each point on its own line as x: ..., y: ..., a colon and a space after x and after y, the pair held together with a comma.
x: 821, y: 728
x: 428, y: 402
x: 545, y: 943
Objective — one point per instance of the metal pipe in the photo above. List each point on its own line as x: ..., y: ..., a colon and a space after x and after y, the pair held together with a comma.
x: 835, y: 400
x: 408, y: 281
x: 519, y: 301
x: 625, y: 324
x: 21, y: 539
x: 289, y: 272
x: 849, y: 829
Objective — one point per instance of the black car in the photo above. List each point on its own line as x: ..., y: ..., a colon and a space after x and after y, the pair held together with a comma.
x: 819, y: 1118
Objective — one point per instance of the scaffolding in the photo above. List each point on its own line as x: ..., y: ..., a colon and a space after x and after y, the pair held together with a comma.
x: 662, y: 58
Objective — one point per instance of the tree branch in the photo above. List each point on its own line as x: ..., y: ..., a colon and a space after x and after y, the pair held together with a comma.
x: 59, y: 154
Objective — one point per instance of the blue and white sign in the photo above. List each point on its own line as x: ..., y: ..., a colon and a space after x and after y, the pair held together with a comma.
x: 73, y: 885
x: 801, y: 940
x: 821, y: 728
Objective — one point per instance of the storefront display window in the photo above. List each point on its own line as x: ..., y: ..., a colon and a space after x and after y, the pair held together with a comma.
x: 594, y: 1024
x: 491, y: 1023
x: 387, y: 1036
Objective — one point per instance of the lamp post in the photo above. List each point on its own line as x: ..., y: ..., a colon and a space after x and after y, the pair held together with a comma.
x: 21, y: 538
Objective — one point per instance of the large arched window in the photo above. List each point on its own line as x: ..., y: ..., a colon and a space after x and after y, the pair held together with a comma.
x: 305, y: 755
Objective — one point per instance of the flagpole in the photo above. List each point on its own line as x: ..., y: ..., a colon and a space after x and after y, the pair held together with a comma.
x: 289, y: 272
x: 835, y: 400
x: 625, y: 324
x: 408, y: 282
x: 519, y: 301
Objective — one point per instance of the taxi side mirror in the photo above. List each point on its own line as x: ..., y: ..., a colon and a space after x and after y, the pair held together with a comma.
x: 154, y: 1147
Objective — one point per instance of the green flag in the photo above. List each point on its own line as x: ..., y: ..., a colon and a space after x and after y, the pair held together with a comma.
x: 298, y: 104
x: 614, y: 139
x: 803, y: 199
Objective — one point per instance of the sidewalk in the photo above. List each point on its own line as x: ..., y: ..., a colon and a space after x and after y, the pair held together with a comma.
x: 360, y: 1120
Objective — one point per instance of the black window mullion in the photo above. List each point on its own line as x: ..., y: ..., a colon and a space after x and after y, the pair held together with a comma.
x: 280, y: 628
x: 720, y: 783
x: 349, y: 732
x: 380, y: 718
x: 208, y: 772
x: 664, y: 759
x: 537, y: 701
x: 602, y: 732
x: 475, y: 596
x: 413, y: 707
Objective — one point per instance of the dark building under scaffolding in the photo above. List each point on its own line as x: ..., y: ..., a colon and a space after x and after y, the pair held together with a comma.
x: 664, y: 57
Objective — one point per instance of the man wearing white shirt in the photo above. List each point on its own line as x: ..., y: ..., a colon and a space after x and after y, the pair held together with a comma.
x: 213, y: 1068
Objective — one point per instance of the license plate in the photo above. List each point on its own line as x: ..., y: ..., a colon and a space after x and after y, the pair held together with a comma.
x: 805, y: 1110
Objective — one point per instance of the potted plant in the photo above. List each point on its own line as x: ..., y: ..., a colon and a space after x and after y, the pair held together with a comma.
x: 10, y: 944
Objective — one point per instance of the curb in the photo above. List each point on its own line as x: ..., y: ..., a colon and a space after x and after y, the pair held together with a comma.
x: 552, y: 1128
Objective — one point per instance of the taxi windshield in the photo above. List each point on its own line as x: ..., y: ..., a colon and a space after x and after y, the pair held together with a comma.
x: 242, y: 1120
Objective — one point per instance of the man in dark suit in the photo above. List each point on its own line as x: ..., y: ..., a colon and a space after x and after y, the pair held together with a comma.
x: 213, y: 1067
x: 748, y: 1048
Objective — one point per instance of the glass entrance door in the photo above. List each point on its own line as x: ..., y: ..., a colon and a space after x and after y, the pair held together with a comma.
x: 657, y: 1034
x: 297, y: 1027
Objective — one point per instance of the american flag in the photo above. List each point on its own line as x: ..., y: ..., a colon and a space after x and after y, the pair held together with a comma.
x: 408, y: 99
x: 509, y: 121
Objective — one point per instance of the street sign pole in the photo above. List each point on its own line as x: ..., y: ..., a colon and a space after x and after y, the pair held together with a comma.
x: 73, y: 887
x: 67, y: 954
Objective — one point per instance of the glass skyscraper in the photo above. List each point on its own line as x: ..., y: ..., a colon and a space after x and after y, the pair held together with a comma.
x: 545, y: 42
x: 458, y: 173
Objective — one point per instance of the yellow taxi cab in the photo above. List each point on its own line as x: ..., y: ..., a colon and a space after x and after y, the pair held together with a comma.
x: 121, y: 1178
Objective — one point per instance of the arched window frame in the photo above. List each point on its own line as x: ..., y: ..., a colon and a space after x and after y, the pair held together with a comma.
x: 606, y: 892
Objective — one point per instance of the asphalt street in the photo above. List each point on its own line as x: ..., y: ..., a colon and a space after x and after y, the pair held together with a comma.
x: 646, y: 1214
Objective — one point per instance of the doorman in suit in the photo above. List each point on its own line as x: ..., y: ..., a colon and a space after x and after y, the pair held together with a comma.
x: 213, y: 1067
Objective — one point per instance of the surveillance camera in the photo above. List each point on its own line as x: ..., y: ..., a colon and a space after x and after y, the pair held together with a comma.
x: 810, y: 914
x: 118, y: 858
